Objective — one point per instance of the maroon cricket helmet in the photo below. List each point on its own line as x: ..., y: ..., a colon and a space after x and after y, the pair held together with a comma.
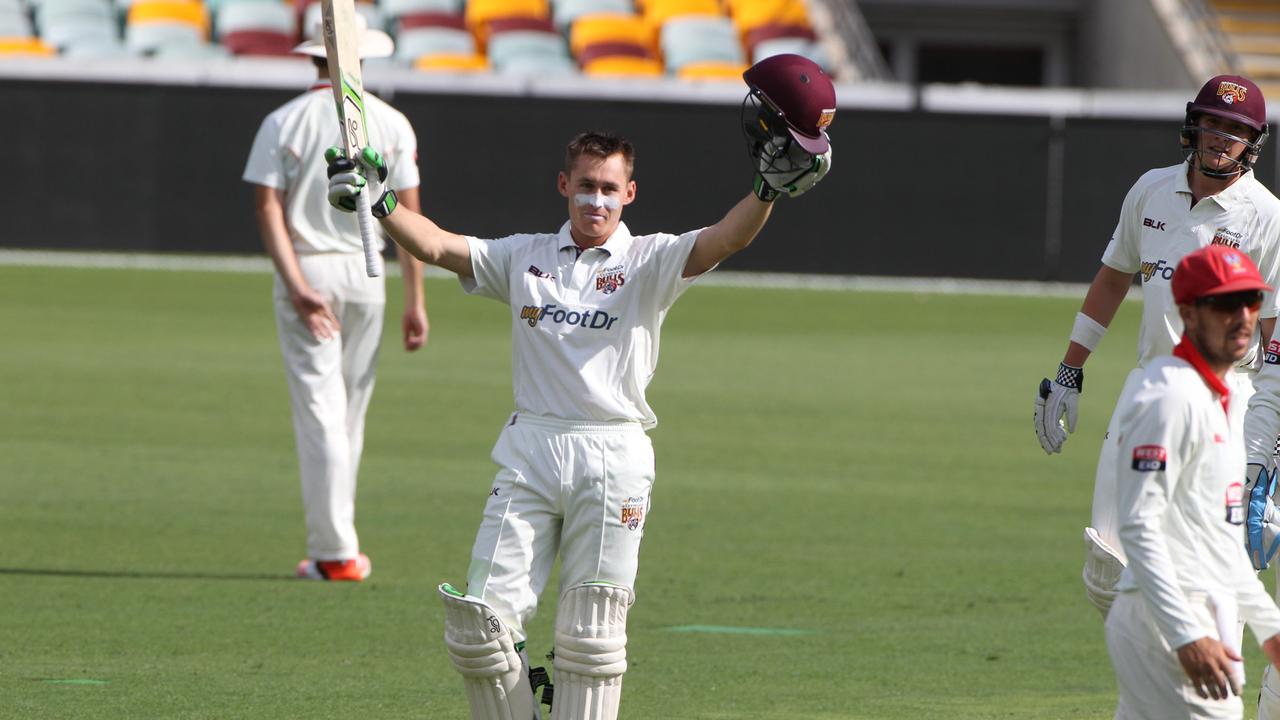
x: 801, y: 94
x: 1232, y: 97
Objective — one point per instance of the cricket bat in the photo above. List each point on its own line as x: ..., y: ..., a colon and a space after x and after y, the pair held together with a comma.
x: 341, y: 48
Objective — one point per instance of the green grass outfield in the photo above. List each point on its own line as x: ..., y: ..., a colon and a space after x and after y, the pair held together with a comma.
x: 849, y: 480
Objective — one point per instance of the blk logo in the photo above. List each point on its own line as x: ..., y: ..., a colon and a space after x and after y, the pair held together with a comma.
x: 1155, y: 224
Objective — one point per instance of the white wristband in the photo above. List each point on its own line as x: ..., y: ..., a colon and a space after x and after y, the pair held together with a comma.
x: 1087, y: 332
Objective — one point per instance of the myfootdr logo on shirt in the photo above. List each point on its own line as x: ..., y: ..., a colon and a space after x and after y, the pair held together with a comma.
x: 1223, y: 236
x: 1149, y: 458
x: 1160, y: 267
x: 589, y: 319
x: 1235, y: 503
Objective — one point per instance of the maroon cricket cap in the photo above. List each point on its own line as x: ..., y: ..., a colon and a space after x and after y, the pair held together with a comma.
x: 802, y: 92
x: 1232, y: 97
x: 1214, y: 270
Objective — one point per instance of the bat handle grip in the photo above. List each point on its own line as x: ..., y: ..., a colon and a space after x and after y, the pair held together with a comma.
x: 368, y: 236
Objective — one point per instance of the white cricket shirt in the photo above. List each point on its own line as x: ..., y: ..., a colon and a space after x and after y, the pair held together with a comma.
x: 1181, y: 504
x: 584, y: 328
x: 1158, y: 227
x: 288, y: 155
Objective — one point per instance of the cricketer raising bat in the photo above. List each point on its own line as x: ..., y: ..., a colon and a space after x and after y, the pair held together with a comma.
x: 341, y: 48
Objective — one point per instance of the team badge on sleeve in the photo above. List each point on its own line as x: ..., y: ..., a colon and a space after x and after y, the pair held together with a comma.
x: 1272, y: 356
x: 1235, y: 503
x: 1150, y: 458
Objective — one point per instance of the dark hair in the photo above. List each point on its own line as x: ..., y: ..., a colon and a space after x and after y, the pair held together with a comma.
x: 601, y: 145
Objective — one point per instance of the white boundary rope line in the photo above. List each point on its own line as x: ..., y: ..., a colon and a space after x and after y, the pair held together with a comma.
x: 787, y: 281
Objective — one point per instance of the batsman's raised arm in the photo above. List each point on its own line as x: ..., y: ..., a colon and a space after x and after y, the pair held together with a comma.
x: 416, y: 233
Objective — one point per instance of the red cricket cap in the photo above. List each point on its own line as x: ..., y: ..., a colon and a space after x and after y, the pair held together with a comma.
x: 1214, y: 270
x: 1232, y: 97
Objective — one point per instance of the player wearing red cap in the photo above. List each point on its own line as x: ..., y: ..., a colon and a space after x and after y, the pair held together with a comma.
x: 1212, y: 198
x: 1172, y: 631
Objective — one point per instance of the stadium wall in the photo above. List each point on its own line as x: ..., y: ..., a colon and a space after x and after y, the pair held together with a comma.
x: 933, y: 182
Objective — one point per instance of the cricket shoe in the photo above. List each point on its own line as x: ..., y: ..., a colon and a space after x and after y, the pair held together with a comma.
x: 353, y: 570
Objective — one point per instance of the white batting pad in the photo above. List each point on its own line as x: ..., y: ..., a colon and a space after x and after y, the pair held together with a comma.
x: 484, y: 653
x: 591, y: 651
x: 1102, y: 567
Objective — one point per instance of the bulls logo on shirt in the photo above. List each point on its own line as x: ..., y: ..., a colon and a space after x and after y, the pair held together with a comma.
x: 1150, y: 458
x: 1235, y: 503
x: 610, y: 279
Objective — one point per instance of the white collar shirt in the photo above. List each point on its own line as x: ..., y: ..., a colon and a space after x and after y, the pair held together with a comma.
x: 584, y: 323
x: 1180, y: 470
x: 1158, y: 226
x: 288, y: 155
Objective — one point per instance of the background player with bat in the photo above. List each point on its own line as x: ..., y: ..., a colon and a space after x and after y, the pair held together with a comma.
x: 576, y: 466
x: 328, y: 308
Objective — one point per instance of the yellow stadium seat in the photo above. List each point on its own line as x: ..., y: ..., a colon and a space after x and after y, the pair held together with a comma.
x: 751, y: 14
x: 25, y: 46
x: 623, y: 66
x: 481, y: 12
x: 609, y: 28
x: 712, y: 70
x: 187, y: 12
x: 657, y: 12
x: 451, y: 62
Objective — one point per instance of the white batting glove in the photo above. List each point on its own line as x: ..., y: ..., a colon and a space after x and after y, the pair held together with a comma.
x: 346, y: 181
x: 1055, y: 399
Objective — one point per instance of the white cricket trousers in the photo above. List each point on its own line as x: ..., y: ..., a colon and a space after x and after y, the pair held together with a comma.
x: 1152, y: 683
x: 577, y: 488
x: 330, y: 384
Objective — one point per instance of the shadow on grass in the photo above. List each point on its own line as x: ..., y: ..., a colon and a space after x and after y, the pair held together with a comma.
x: 131, y: 574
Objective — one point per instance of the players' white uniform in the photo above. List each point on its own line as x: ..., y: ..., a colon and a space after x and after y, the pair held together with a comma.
x: 330, y: 381
x: 1157, y: 227
x: 576, y: 465
x: 1180, y: 503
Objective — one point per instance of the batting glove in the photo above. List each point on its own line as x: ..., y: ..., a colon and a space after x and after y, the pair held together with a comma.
x: 1055, y: 399
x: 347, y: 180
x: 1261, y: 538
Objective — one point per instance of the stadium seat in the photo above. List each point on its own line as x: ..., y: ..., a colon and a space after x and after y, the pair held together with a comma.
x: 717, y: 70
x: 14, y: 25
x: 507, y: 50
x: 259, y: 42
x: 538, y: 66
x: 790, y: 45
x: 395, y: 9
x: 596, y: 51
x: 697, y: 38
x: 429, y: 19
x: 155, y: 24
x: 91, y: 49
x: 615, y: 66
x: 750, y: 14
x: 480, y: 13
x: 451, y: 62
x: 189, y: 51
x: 416, y: 42
x: 311, y: 16
x: 67, y: 31
x: 232, y: 17
x: 11, y: 47
x: 657, y: 12
x: 609, y: 28
x: 776, y: 30
x: 565, y: 12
